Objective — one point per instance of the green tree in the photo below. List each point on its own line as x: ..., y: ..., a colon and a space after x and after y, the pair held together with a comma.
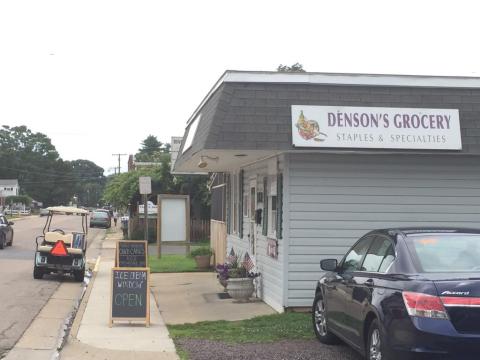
x: 153, y: 150
x: 122, y: 189
x: 32, y: 159
x: 297, y: 67
x: 89, y: 183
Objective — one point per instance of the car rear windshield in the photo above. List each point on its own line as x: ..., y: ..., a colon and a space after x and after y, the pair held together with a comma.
x: 445, y: 252
x: 100, y: 214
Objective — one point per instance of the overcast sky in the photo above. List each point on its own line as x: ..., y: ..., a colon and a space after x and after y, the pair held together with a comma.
x: 99, y: 76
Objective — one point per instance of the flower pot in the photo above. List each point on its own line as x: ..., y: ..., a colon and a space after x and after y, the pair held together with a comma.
x: 203, y: 261
x: 240, y: 289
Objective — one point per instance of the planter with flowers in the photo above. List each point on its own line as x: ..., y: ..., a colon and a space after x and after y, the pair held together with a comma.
x: 237, y: 277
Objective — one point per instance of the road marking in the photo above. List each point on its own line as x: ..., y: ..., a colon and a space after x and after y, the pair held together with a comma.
x: 95, y: 269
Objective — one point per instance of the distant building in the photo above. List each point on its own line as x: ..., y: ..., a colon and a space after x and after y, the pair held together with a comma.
x: 9, y: 187
x: 174, y: 149
x: 133, y: 164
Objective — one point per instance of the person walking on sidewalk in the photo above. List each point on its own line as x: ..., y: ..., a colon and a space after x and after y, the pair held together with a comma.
x: 115, y: 218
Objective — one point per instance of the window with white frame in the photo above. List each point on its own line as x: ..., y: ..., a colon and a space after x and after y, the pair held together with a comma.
x: 273, y: 215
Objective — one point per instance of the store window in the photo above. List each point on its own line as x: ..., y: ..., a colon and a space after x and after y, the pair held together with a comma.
x: 272, y: 214
x: 272, y: 206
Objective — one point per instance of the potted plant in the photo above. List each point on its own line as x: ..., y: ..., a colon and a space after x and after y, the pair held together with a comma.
x: 202, y: 256
x: 240, y: 279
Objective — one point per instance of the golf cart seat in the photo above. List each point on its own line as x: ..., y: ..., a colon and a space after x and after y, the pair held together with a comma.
x: 52, y: 237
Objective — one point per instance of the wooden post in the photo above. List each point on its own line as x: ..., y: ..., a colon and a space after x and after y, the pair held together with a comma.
x: 159, y: 227
x: 145, y: 214
x: 187, y: 221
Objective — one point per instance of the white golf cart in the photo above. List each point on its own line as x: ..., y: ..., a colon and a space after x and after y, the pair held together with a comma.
x: 61, y: 251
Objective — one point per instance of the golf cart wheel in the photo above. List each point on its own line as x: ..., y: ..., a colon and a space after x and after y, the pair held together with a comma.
x: 37, y: 273
x: 79, y: 275
x: 3, y: 241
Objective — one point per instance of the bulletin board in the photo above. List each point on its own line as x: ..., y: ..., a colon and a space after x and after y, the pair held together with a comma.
x: 173, y: 221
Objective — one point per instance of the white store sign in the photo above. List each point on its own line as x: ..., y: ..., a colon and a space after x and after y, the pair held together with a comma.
x: 375, y: 127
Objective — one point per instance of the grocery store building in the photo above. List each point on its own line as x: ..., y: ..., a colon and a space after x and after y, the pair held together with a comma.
x: 303, y: 164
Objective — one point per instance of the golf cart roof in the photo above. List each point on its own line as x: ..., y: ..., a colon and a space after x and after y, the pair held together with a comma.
x: 67, y: 210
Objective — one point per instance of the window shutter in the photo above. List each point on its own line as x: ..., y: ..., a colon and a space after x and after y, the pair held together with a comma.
x: 240, y: 205
x: 279, y: 205
x: 228, y: 203
x: 265, y: 208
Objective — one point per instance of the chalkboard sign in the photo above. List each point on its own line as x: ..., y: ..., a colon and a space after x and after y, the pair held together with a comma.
x: 130, y: 295
x: 132, y: 254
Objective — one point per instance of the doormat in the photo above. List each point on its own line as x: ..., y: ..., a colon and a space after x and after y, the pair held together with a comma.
x: 223, y: 296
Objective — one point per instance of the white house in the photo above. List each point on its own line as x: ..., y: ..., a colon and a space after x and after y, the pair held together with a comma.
x: 9, y: 187
x: 306, y: 163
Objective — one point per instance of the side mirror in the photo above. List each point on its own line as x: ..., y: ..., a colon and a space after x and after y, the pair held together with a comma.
x: 10, y: 223
x: 328, y: 264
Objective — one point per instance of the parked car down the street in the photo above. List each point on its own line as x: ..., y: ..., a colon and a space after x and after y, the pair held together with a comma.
x: 6, y: 232
x: 404, y: 293
x: 100, y: 219
x: 43, y: 212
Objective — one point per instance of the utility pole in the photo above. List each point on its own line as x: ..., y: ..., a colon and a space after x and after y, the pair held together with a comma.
x: 119, y: 155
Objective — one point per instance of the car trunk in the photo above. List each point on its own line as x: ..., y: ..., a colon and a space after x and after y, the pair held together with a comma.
x: 460, y: 293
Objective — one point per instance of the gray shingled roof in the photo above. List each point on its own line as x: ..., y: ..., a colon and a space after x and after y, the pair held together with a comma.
x: 255, y: 115
x: 8, y: 182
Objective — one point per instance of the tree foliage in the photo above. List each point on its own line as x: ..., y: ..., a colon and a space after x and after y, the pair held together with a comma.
x: 32, y: 159
x: 123, y: 189
x: 18, y: 199
x: 297, y: 67
x: 153, y: 150
x: 90, y: 182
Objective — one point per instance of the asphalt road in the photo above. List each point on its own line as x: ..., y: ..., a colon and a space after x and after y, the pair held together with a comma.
x: 22, y: 297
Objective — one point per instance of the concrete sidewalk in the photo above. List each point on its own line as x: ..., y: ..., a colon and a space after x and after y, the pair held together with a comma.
x: 94, y: 339
x: 193, y: 297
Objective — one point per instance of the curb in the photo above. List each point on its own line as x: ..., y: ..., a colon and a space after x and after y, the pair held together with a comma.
x: 77, y: 320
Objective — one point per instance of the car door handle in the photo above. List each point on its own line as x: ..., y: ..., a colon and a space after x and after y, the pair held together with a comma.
x: 369, y: 282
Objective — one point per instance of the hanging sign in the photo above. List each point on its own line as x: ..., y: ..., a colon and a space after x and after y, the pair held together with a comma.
x: 272, y: 248
x: 375, y: 127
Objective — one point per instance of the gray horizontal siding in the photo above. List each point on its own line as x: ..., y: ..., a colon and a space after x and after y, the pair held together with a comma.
x: 271, y: 281
x: 335, y: 199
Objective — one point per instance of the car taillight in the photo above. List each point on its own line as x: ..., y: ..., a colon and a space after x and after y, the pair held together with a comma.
x: 424, y: 305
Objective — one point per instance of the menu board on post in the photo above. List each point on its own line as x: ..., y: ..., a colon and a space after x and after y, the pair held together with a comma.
x: 130, y: 295
x: 131, y: 254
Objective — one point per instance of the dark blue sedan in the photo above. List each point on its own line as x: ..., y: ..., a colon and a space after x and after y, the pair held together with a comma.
x: 404, y: 294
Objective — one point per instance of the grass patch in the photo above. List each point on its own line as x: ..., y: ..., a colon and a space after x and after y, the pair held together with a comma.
x: 172, y: 263
x: 201, y: 243
x: 261, y: 329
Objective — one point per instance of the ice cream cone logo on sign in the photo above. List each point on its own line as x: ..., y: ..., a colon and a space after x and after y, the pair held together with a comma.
x: 309, y: 129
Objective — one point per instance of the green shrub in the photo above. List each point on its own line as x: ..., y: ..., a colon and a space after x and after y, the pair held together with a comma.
x: 139, y: 234
x: 201, y: 251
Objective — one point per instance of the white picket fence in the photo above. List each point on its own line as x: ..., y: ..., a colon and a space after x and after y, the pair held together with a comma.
x: 17, y: 212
